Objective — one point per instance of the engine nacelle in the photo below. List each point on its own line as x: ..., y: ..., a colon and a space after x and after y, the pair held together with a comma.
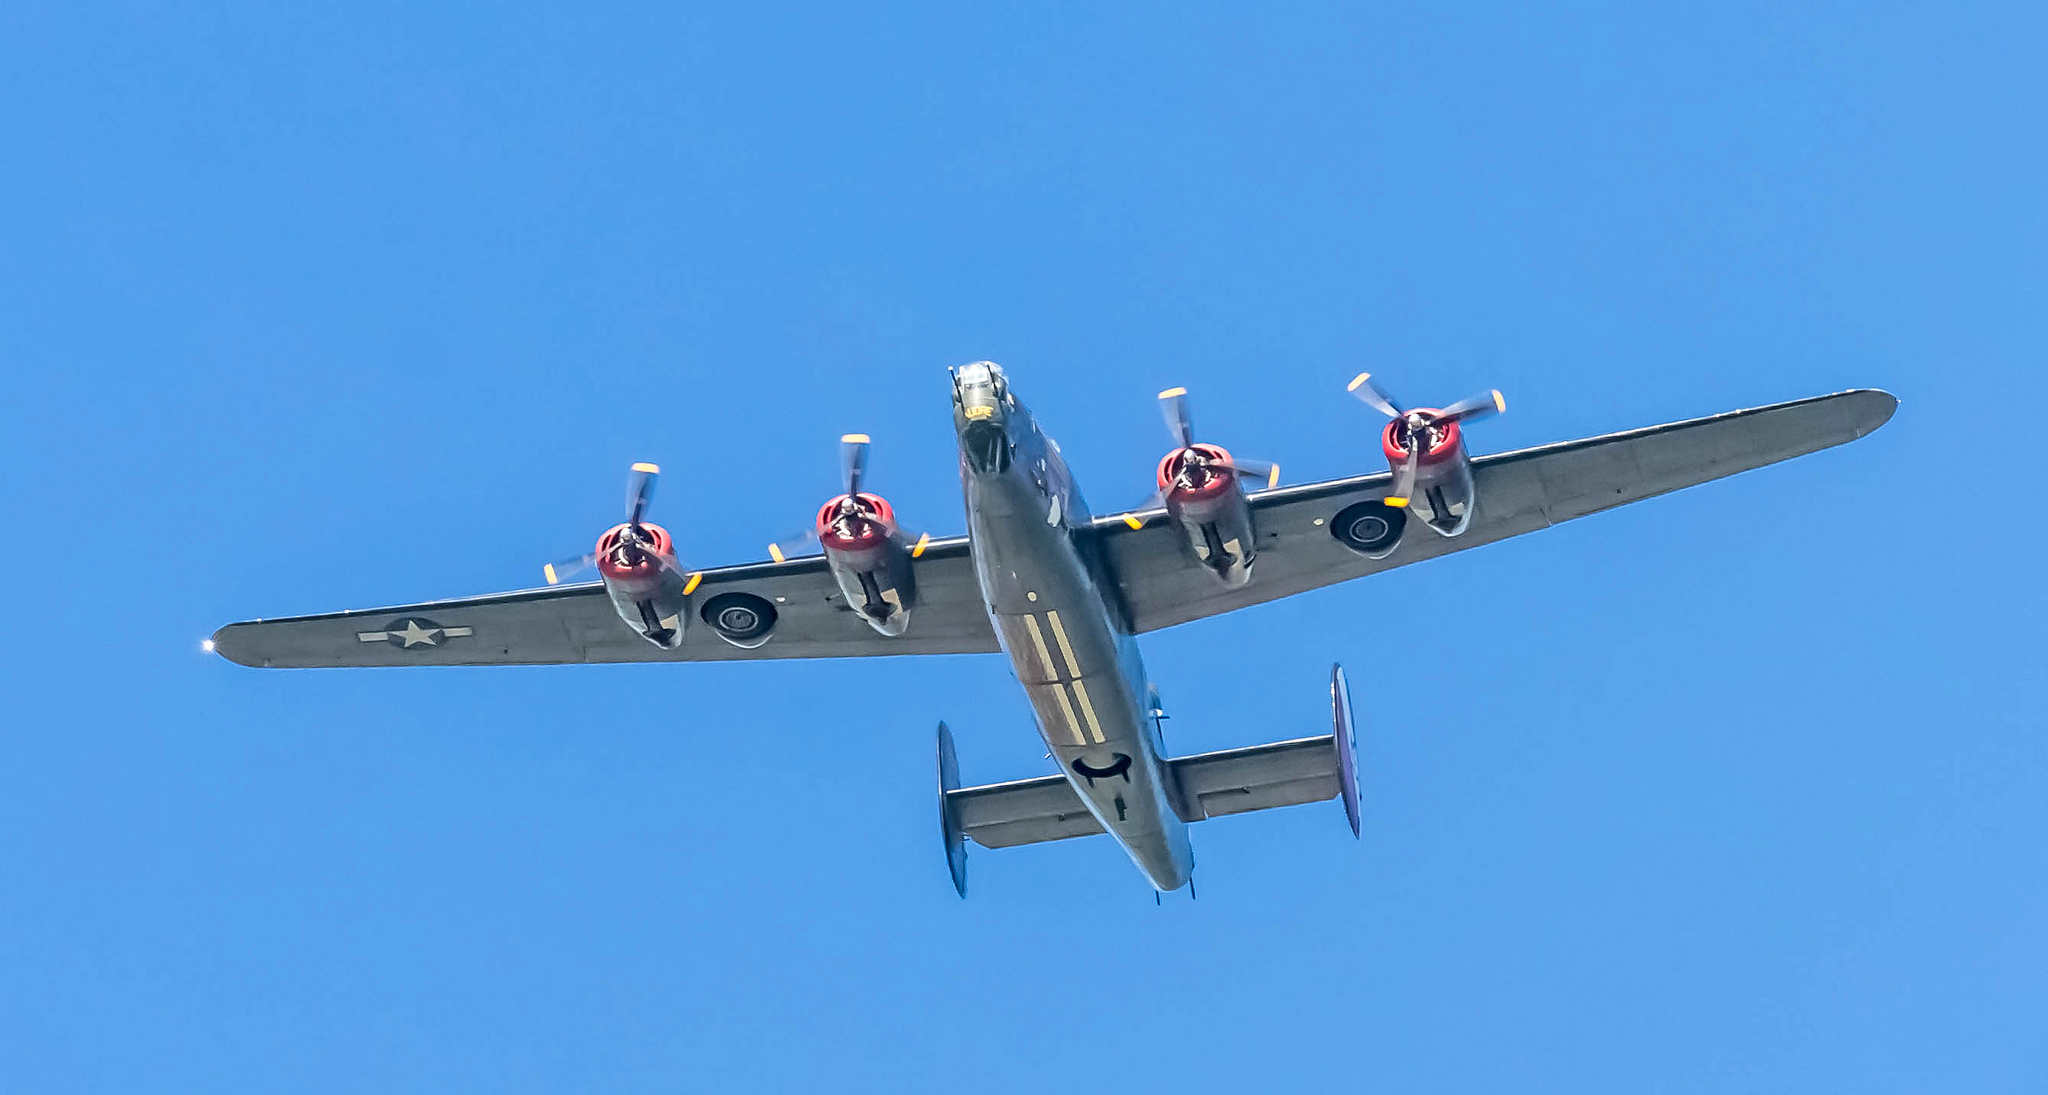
x: 869, y: 562
x: 1205, y: 498
x: 1443, y: 480
x: 648, y: 595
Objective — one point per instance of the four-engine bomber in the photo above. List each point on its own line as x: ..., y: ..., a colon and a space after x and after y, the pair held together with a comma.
x: 1064, y: 595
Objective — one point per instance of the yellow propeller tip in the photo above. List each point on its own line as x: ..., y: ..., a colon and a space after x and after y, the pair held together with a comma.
x: 923, y: 542
x: 1172, y: 392
x: 775, y: 553
x: 549, y: 570
x: 651, y: 469
x: 1397, y: 503
x: 1273, y: 477
x: 1356, y: 381
x: 1131, y: 519
x: 1500, y: 403
x: 856, y: 439
x: 690, y: 586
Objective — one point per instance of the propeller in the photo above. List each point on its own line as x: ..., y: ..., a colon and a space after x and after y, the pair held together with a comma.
x: 1194, y: 465
x: 1173, y: 403
x: 853, y: 460
x: 634, y: 543
x: 640, y: 491
x: 1419, y: 431
x: 851, y: 512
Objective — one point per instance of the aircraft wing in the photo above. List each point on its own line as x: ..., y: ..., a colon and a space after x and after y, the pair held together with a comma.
x: 576, y: 623
x: 1232, y: 781
x: 1516, y: 492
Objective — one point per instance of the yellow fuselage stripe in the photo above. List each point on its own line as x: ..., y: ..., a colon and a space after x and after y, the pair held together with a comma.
x: 1067, y: 708
x: 1052, y: 671
x: 1088, y: 710
x: 1066, y: 650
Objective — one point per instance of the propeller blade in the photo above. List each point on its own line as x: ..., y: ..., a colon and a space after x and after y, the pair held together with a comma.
x: 853, y: 460
x: 1173, y: 403
x: 787, y: 548
x: 640, y: 491
x: 1143, y: 511
x: 916, y: 540
x: 561, y: 570
x: 1403, y: 490
x: 1362, y: 387
x: 1477, y: 407
x: 672, y: 565
x: 1256, y: 474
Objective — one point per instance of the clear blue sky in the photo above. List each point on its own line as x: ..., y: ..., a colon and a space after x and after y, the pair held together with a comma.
x: 1737, y: 790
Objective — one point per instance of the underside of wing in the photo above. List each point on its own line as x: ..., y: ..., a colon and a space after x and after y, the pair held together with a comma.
x: 1516, y: 492
x: 804, y: 613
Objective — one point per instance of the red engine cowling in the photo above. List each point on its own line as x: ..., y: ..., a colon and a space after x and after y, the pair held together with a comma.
x: 869, y: 560
x: 641, y: 579
x: 1443, y: 479
x: 1205, y: 498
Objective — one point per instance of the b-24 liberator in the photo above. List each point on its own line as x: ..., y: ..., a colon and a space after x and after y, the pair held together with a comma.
x: 1064, y: 594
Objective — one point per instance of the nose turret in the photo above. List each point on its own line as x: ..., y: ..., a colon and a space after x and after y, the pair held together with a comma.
x: 982, y: 409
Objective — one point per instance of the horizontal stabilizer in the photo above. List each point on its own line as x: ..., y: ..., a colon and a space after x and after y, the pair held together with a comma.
x: 1233, y: 781
x: 1258, y: 777
x: 1025, y: 811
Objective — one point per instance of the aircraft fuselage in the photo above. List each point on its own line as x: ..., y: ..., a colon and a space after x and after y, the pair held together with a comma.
x: 1078, y: 664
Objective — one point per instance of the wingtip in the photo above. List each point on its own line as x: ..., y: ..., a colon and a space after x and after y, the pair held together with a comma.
x: 1891, y: 405
x: 223, y: 643
x: 1874, y: 406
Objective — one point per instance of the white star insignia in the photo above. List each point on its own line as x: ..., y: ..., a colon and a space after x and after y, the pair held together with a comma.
x: 414, y: 633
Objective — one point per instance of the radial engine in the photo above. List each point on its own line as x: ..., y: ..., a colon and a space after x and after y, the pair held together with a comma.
x: 1426, y: 450
x: 1204, y: 490
x: 868, y: 551
x: 637, y: 561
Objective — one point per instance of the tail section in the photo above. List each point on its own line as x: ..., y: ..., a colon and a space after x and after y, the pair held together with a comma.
x: 1344, y: 745
x: 1229, y: 781
x: 949, y: 815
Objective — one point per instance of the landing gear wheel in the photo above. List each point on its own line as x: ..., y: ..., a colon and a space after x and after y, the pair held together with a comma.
x: 742, y: 619
x: 1372, y: 529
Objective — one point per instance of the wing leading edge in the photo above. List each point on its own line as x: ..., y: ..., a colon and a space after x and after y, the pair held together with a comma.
x: 1517, y: 492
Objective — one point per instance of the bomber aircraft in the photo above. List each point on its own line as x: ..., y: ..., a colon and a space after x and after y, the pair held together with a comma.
x: 1064, y: 594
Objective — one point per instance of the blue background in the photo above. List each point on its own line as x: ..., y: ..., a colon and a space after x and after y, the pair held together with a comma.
x: 1736, y: 790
